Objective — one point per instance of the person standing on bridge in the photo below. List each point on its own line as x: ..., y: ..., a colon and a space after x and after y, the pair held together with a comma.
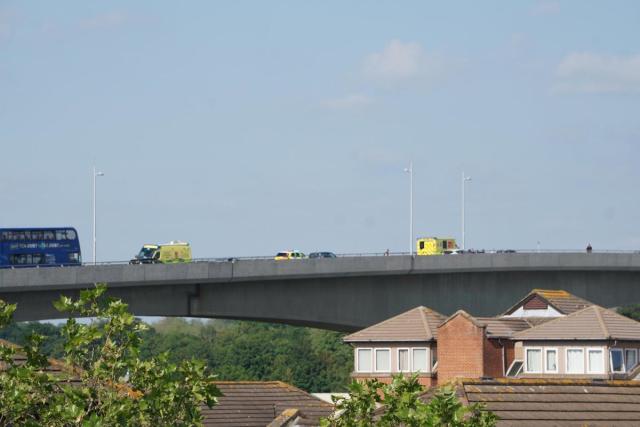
x: 589, y: 248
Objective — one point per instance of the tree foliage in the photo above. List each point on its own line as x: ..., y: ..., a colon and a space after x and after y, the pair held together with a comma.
x: 103, y: 381
x: 631, y: 311
x: 311, y: 359
x: 402, y: 406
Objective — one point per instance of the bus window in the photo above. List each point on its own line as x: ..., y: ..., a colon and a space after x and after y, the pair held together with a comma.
x: 48, y: 235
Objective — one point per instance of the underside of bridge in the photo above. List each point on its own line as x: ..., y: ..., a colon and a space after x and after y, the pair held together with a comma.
x: 346, y: 303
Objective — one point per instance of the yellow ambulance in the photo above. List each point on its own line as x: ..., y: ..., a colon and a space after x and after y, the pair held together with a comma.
x: 436, y: 246
x: 166, y: 253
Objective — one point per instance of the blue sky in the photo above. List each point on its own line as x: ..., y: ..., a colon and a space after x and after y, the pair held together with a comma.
x: 250, y: 127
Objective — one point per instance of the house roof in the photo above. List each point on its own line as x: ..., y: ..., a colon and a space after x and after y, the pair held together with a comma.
x: 258, y: 403
x: 503, y: 328
x: 496, y: 327
x: 590, y: 323
x: 529, y: 403
x: 418, y: 324
x: 562, y: 301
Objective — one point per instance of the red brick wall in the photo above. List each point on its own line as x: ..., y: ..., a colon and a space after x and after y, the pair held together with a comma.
x: 426, y: 381
x: 510, y: 353
x: 492, y: 358
x: 460, y: 350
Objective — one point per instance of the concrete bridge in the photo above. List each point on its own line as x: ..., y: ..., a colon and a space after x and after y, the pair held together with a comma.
x: 343, y: 294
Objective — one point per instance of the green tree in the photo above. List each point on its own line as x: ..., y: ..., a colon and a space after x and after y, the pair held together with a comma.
x: 103, y: 381
x: 312, y: 359
x: 402, y: 406
x: 631, y: 311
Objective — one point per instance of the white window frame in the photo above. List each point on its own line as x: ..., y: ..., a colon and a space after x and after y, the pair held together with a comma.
x: 566, y: 361
x: 358, y: 358
x: 544, y: 360
x: 635, y: 350
x: 375, y: 359
x: 526, y: 360
x: 624, y: 365
x: 408, y: 358
x: 427, y: 360
x: 604, y: 368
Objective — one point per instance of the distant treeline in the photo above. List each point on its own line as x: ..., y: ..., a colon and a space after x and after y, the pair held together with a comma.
x: 311, y: 359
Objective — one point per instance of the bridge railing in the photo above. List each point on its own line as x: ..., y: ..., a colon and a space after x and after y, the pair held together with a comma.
x: 478, y: 252
x: 475, y: 252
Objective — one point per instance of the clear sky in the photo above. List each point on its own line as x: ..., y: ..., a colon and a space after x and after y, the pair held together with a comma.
x: 250, y: 127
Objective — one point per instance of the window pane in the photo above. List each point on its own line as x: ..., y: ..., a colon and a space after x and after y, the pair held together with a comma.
x: 596, y: 361
x: 631, y: 357
x: 515, y: 369
x: 364, y: 360
x: 617, y: 364
x: 552, y: 360
x: 383, y: 360
x: 575, y: 361
x: 403, y: 360
x: 534, y: 360
x: 420, y: 360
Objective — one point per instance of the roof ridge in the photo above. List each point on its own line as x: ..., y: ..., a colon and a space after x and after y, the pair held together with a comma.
x: 601, y: 321
x: 541, y: 293
x: 423, y: 316
x: 465, y: 314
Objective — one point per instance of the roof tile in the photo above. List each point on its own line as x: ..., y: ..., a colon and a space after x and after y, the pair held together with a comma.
x: 418, y: 324
x: 590, y: 323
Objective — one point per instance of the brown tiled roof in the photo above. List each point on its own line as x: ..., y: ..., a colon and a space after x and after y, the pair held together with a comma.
x: 496, y: 327
x: 503, y: 327
x: 418, y: 324
x: 562, y: 301
x: 528, y: 403
x: 253, y: 403
x: 591, y: 323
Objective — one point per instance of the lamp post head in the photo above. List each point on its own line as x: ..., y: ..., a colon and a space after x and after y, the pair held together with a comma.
x: 99, y: 173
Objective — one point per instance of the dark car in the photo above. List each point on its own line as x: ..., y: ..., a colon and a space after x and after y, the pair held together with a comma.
x: 322, y: 255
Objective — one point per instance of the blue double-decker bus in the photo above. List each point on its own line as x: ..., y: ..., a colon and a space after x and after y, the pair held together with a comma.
x: 39, y: 247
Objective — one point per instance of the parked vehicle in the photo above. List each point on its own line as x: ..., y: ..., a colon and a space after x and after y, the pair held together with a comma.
x: 436, y: 246
x: 322, y: 255
x: 286, y: 255
x: 167, y: 253
x: 39, y: 247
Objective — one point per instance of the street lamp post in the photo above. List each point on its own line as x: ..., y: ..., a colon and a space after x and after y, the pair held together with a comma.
x: 95, y: 175
x: 465, y: 179
x: 409, y: 170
